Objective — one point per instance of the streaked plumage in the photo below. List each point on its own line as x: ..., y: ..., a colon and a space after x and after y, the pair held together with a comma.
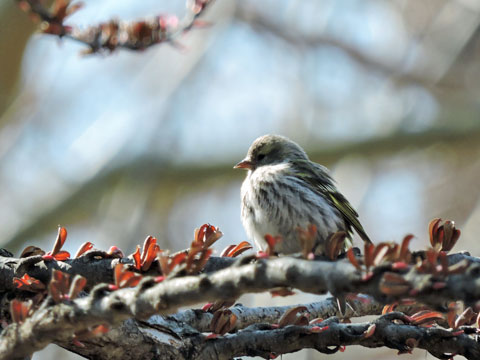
x: 284, y: 191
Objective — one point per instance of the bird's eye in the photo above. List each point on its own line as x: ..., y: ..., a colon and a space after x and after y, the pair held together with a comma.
x: 260, y: 157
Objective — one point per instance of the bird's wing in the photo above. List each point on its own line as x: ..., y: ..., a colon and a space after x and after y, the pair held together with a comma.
x: 349, y: 213
x: 319, y: 179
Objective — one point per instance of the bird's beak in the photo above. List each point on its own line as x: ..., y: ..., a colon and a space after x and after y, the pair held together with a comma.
x: 244, y: 164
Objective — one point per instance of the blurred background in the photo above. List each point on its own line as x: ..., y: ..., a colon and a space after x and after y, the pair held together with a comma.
x: 118, y: 147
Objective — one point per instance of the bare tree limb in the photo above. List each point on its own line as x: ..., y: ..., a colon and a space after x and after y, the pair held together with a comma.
x: 115, y: 34
x: 162, y: 172
x: 268, y: 24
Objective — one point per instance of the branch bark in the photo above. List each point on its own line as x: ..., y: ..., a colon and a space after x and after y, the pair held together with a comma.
x: 149, y: 297
x: 391, y: 330
x: 169, y: 334
x: 263, y: 341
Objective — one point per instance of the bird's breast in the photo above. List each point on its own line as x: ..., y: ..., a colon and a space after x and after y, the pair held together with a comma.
x: 277, y: 203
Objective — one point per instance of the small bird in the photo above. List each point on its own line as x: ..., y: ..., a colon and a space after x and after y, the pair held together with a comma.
x: 284, y: 191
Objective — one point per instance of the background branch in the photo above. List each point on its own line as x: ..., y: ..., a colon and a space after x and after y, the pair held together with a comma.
x: 115, y: 34
x: 172, y: 176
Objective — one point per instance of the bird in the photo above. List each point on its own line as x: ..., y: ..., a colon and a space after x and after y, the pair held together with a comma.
x: 284, y: 191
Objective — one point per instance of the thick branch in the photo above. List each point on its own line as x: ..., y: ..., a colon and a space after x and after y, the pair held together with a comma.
x: 263, y: 341
x: 97, y: 267
x: 150, y: 298
x: 391, y: 330
x: 178, y: 329
x: 246, y: 316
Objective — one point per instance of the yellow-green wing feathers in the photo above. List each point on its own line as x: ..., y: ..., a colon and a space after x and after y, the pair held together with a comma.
x: 318, y: 178
x: 349, y: 213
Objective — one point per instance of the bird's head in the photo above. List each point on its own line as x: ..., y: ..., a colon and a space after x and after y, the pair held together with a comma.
x: 271, y: 150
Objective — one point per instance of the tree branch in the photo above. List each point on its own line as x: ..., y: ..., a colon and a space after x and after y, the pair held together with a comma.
x: 265, y: 342
x: 97, y: 268
x: 247, y: 316
x: 150, y: 297
x: 268, y: 24
x: 178, y: 329
x: 115, y: 34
